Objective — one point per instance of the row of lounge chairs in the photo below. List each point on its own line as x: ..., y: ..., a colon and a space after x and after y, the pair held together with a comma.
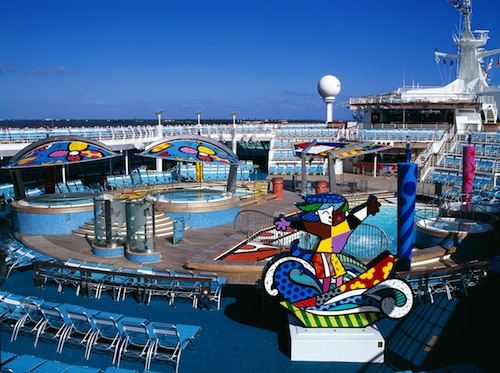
x: 8, y: 193
x: 140, y: 178
x: 447, y: 177
x: 305, y: 133
x: 481, y: 164
x: 13, y: 363
x: 16, y: 255
x: 72, y: 186
x: 144, y: 283
x: 295, y: 168
x: 184, y: 172
x: 122, y: 336
x: 399, y: 135
x: 426, y: 284
x: 215, y: 171
x: 477, y: 196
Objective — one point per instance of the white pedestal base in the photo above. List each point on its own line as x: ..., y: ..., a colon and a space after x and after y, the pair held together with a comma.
x: 361, y: 345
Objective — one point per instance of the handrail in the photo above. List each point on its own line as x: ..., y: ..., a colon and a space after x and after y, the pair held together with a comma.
x: 367, y: 241
x: 476, y: 264
x: 88, y: 271
x: 250, y: 221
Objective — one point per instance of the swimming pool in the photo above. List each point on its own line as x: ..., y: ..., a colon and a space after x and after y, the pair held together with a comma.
x: 198, y: 206
x: 366, y: 241
x: 58, y: 213
x: 473, y: 239
x: 387, y: 220
x: 59, y: 200
x: 193, y: 195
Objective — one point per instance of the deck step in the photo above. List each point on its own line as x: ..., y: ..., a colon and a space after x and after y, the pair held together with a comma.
x: 164, y: 227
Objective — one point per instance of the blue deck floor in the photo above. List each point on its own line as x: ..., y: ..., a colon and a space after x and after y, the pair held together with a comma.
x: 246, y: 335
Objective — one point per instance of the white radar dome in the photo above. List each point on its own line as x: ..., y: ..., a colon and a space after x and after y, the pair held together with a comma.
x: 329, y: 87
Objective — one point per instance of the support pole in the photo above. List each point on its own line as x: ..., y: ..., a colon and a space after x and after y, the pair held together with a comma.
x: 303, y: 155
x: 332, y: 177
x: 468, y: 165
x: 407, y: 195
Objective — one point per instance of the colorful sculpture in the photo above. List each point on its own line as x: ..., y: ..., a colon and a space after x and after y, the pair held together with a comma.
x: 325, y: 288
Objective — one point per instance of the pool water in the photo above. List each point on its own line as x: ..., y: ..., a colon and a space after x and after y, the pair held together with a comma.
x: 457, y: 225
x: 193, y: 195
x: 59, y: 200
x: 387, y: 220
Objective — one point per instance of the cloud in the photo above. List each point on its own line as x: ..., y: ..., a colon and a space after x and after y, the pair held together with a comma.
x: 36, y: 71
x: 63, y: 70
x: 6, y: 69
x: 289, y: 92
x: 60, y: 70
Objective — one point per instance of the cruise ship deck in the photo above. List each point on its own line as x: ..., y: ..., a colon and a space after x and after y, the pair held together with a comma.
x: 200, y: 245
x: 249, y: 334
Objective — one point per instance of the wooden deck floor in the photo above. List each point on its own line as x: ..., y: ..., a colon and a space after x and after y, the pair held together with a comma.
x: 197, y: 248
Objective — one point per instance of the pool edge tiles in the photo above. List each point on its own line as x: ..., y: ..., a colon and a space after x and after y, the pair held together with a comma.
x: 205, y: 219
x: 143, y: 257
x: 203, y: 213
x: 61, y: 220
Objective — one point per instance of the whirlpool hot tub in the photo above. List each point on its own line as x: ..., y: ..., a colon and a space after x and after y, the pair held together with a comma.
x: 473, y: 239
x: 200, y: 207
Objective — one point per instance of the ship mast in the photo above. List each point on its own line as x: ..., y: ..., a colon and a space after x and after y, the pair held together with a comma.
x: 471, y: 54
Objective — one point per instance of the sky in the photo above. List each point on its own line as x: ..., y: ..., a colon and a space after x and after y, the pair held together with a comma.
x: 126, y: 59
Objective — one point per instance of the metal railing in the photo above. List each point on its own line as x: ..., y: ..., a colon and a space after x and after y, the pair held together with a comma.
x: 366, y: 241
x: 249, y: 222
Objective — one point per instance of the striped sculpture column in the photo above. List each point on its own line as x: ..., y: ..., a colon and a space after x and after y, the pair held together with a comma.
x: 468, y: 161
x: 407, y: 195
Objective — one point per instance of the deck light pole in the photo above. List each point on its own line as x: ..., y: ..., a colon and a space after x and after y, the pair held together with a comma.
x: 159, y: 161
x: 235, y: 143
x: 198, y: 113
x: 159, y: 113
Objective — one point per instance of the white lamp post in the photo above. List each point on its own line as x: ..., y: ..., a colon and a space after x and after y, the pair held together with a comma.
x: 235, y: 143
x: 198, y: 113
x: 159, y: 113
x: 159, y: 162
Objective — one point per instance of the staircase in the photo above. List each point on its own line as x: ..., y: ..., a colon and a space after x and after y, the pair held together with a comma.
x: 164, y: 227
x: 490, y: 114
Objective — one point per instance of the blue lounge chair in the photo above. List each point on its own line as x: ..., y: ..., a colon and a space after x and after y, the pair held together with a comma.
x: 106, y: 334
x: 32, y: 315
x: 23, y: 363
x: 135, y: 341
x: 120, y: 370
x: 54, y: 324
x: 82, y: 369
x: 167, y: 345
x: 80, y: 327
x: 5, y: 357
x: 51, y: 366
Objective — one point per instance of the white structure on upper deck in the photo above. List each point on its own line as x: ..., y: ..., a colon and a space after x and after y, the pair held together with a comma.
x: 467, y: 102
x: 329, y: 88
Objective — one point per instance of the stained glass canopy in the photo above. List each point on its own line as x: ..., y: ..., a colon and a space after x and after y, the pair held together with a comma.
x: 338, y: 150
x: 60, y: 150
x: 190, y: 149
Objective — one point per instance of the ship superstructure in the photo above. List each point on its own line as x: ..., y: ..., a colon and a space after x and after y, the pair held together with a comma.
x: 468, y: 102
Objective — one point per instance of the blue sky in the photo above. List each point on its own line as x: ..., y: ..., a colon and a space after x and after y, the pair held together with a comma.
x: 125, y: 59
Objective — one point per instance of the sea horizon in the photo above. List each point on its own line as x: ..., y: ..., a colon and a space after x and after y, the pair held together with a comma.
x: 44, y: 122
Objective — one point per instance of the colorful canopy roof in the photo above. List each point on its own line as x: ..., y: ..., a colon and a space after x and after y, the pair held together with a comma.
x: 339, y: 150
x: 53, y: 151
x: 190, y: 149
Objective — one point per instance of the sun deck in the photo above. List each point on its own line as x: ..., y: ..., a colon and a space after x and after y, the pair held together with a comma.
x: 199, y: 246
